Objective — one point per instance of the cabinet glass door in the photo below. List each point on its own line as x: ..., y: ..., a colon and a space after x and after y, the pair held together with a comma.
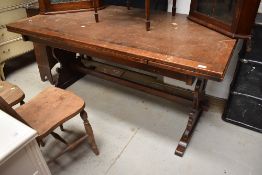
x: 63, y: 1
x: 222, y: 10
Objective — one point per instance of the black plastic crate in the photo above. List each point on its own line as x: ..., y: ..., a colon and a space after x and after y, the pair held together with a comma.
x: 244, y: 111
x: 249, y: 80
x: 256, y: 53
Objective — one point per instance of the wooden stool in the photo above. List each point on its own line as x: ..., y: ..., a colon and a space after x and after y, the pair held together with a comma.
x: 12, y: 94
x: 50, y: 109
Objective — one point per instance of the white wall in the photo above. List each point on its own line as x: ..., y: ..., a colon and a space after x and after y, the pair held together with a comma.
x: 182, y: 6
x: 260, y: 8
x: 217, y: 89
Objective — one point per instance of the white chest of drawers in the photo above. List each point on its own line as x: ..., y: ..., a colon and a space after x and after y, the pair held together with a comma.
x: 11, y: 44
x: 19, y: 152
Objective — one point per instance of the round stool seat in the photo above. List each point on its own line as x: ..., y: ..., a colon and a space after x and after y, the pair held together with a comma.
x: 12, y: 94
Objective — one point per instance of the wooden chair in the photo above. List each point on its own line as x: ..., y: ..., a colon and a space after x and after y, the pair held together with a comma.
x: 147, y: 11
x: 47, y: 7
x: 12, y: 94
x: 49, y: 109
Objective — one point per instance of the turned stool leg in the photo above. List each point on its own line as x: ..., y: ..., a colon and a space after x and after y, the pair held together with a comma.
x: 95, y: 8
x: 147, y: 5
x: 89, y: 132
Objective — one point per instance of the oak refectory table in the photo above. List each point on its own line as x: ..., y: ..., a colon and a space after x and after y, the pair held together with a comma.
x: 176, y: 48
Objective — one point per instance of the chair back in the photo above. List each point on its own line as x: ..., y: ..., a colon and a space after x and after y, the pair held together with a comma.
x: 52, y: 6
x: 4, y: 106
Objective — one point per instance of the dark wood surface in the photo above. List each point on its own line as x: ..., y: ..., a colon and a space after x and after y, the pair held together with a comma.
x: 175, y: 43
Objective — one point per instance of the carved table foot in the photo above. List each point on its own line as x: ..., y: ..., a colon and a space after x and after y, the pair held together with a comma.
x: 194, y: 115
x: 184, y: 141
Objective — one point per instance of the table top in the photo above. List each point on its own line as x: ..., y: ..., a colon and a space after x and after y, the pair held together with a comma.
x: 175, y: 43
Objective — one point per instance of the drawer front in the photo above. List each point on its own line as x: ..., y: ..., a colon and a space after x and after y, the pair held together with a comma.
x: 14, y: 48
x: 11, y: 16
x: 5, y: 35
x: 6, y: 4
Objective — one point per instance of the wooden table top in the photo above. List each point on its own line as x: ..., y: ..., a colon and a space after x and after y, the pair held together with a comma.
x: 175, y: 43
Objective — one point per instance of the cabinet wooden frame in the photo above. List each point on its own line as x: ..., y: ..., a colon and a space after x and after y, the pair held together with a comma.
x: 243, y: 18
x: 47, y: 7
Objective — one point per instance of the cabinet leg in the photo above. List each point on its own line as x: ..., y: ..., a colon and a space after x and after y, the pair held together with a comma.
x: 95, y: 9
x: 147, y: 25
x: 194, y: 115
x: 174, y: 8
x: 128, y: 4
x: 147, y: 6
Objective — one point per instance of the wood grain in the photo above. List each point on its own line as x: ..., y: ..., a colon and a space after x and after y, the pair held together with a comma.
x: 175, y: 44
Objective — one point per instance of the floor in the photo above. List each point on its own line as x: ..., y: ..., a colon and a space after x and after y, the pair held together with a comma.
x: 138, y: 133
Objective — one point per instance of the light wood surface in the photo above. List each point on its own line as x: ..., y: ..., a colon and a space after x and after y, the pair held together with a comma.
x: 50, y: 108
x: 12, y: 94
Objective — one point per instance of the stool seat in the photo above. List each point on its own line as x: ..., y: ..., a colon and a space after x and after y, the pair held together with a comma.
x: 12, y: 94
x: 49, y: 109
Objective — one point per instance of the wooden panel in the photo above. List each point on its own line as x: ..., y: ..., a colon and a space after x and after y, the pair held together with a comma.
x: 46, y: 6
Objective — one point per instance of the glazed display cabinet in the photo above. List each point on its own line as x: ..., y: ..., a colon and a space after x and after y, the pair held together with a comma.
x: 233, y: 18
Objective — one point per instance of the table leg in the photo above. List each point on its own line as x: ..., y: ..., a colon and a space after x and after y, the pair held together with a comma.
x: 66, y: 75
x: 128, y: 4
x: 44, y: 61
x: 147, y: 6
x: 194, y: 115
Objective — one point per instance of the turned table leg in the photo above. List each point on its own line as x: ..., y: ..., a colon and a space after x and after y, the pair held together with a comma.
x: 194, y: 115
x: 147, y: 6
